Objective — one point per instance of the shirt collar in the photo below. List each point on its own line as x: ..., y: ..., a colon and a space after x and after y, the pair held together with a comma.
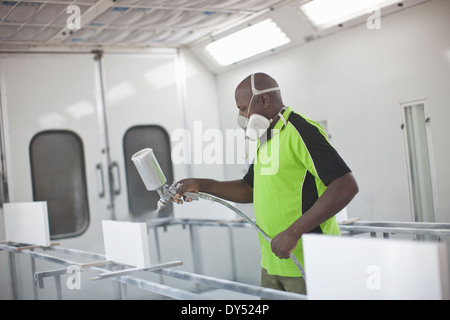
x: 279, y: 126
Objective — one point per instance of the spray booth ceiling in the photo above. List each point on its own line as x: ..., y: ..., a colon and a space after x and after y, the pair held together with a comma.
x: 127, y: 23
x: 136, y: 23
x: 147, y: 24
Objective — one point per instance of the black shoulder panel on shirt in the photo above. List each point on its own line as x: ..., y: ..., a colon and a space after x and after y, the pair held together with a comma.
x: 328, y: 163
x: 249, y: 177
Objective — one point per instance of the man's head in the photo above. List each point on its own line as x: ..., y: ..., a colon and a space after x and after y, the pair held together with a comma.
x: 259, y: 93
x: 259, y: 101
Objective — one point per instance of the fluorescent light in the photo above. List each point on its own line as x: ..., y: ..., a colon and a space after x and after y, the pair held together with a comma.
x: 328, y: 13
x: 249, y: 42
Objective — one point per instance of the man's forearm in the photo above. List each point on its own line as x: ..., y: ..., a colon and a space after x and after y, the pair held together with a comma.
x: 237, y: 191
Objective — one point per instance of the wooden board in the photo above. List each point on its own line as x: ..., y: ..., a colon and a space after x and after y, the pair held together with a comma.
x: 126, y: 243
x: 27, y: 223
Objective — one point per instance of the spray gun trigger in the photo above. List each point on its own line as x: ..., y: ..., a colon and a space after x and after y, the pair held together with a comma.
x: 188, y: 195
x: 167, y: 193
x: 192, y: 195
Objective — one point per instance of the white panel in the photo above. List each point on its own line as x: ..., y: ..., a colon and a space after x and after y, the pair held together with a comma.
x: 27, y: 223
x: 126, y: 243
x: 369, y: 269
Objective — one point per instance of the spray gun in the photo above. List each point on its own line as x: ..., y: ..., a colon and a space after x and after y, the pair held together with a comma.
x: 154, y: 180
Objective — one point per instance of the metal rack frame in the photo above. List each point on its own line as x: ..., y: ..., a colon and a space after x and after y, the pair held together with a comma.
x: 356, y: 228
x: 131, y: 280
x: 390, y: 228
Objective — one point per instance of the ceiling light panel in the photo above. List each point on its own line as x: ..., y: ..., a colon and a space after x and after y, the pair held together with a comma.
x: 324, y: 14
x: 251, y: 41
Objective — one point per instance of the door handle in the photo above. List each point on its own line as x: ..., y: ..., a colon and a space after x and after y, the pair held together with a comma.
x: 115, y: 167
x: 99, y: 168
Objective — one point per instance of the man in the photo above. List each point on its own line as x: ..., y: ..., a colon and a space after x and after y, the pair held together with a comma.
x: 298, y: 191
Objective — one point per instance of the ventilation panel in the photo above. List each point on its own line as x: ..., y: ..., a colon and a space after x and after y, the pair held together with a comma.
x: 127, y: 23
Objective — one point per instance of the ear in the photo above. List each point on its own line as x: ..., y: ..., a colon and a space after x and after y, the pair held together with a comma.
x: 265, y: 101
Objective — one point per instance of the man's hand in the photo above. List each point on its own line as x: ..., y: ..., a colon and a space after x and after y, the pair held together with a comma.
x: 337, y: 196
x: 187, y: 185
x: 284, y: 243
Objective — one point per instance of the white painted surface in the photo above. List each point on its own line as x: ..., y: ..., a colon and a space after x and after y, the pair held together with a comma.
x: 27, y: 223
x: 371, y: 269
x: 126, y: 243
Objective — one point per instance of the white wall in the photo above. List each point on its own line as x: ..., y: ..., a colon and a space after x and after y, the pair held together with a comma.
x: 355, y: 80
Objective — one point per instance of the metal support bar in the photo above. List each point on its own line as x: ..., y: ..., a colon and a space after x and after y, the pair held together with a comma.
x: 232, y: 254
x: 195, y: 246
x: 158, y: 249
x: 33, y: 270
x: 58, y: 287
x: 41, y: 256
x: 95, y: 264
x: 34, y: 247
x: 12, y: 266
x: 39, y: 276
x: 232, y: 286
x: 409, y: 228
x: 159, y: 288
x: 134, y: 270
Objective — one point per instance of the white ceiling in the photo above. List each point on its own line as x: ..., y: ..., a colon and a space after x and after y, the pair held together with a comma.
x: 144, y: 24
x: 127, y: 23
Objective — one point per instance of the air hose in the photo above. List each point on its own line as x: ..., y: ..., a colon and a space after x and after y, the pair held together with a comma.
x: 209, y: 197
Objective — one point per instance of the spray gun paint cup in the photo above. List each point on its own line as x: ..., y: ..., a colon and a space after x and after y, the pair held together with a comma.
x: 149, y: 169
x: 151, y: 173
x: 154, y: 179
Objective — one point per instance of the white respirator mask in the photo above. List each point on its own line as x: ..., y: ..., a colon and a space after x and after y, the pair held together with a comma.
x: 257, y: 125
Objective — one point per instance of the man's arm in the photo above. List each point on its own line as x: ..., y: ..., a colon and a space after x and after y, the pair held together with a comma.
x: 337, y: 196
x: 236, y: 191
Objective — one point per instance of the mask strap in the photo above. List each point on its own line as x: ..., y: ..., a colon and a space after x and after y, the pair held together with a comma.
x: 282, y: 116
x: 258, y: 92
